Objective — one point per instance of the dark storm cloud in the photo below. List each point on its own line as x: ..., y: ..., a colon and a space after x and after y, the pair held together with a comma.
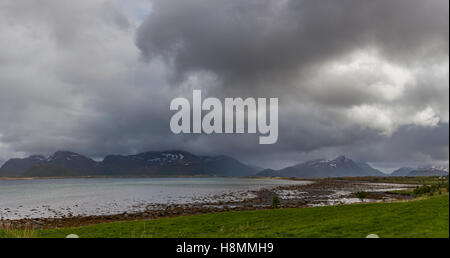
x: 410, y: 146
x: 239, y: 40
x: 368, y: 79
x: 349, y: 73
x: 57, y: 61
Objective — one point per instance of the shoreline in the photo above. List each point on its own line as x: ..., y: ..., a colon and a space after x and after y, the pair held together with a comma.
x: 318, y: 193
x: 105, y: 177
x: 372, y: 179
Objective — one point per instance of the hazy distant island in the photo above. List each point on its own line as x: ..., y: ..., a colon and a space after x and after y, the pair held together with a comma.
x: 182, y: 163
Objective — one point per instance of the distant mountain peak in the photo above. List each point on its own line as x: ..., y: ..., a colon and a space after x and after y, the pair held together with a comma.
x: 155, y: 163
x: 333, y: 163
x: 427, y: 170
x: 342, y: 159
x: 65, y: 153
x: 433, y: 167
x: 37, y: 157
x: 67, y: 156
x: 175, y: 162
x: 323, y: 168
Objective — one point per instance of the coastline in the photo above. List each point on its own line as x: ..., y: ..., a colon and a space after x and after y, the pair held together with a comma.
x: 324, y: 192
x: 94, y: 177
x: 372, y: 179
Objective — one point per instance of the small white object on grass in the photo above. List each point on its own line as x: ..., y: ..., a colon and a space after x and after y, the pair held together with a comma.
x: 372, y: 236
x: 72, y: 236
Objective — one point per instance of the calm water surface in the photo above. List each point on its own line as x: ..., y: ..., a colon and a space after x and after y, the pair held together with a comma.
x: 96, y: 196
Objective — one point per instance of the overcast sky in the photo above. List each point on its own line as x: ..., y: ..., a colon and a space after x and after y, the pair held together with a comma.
x: 367, y: 79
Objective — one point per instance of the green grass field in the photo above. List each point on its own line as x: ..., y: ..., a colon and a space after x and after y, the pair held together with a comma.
x: 419, y: 180
x: 417, y: 218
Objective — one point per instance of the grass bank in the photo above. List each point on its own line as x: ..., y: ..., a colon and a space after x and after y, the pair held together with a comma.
x: 419, y: 180
x: 417, y: 218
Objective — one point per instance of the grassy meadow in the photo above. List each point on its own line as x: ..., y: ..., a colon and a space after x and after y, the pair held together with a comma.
x: 419, y: 218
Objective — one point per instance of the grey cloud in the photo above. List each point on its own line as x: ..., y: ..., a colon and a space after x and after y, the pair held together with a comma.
x: 240, y: 40
x: 290, y: 49
x: 74, y: 77
x: 67, y: 20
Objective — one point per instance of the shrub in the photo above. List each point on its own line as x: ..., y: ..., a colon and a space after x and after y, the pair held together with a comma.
x: 422, y: 190
x: 275, y: 202
x: 361, y: 195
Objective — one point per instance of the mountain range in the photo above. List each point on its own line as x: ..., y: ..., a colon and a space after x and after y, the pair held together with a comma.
x: 167, y: 163
x: 322, y: 168
x: 422, y: 171
x: 182, y: 163
x: 345, y: 167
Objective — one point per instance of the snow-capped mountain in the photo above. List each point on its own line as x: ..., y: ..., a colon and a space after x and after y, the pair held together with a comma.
x: 61, y: 163
x: 71, y: 160
x: 173, y: 163
x: 322, y: 168
x: 435, y: 167
x: 17, y: 167
x: 430, y: 170
x: 167, y: 163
